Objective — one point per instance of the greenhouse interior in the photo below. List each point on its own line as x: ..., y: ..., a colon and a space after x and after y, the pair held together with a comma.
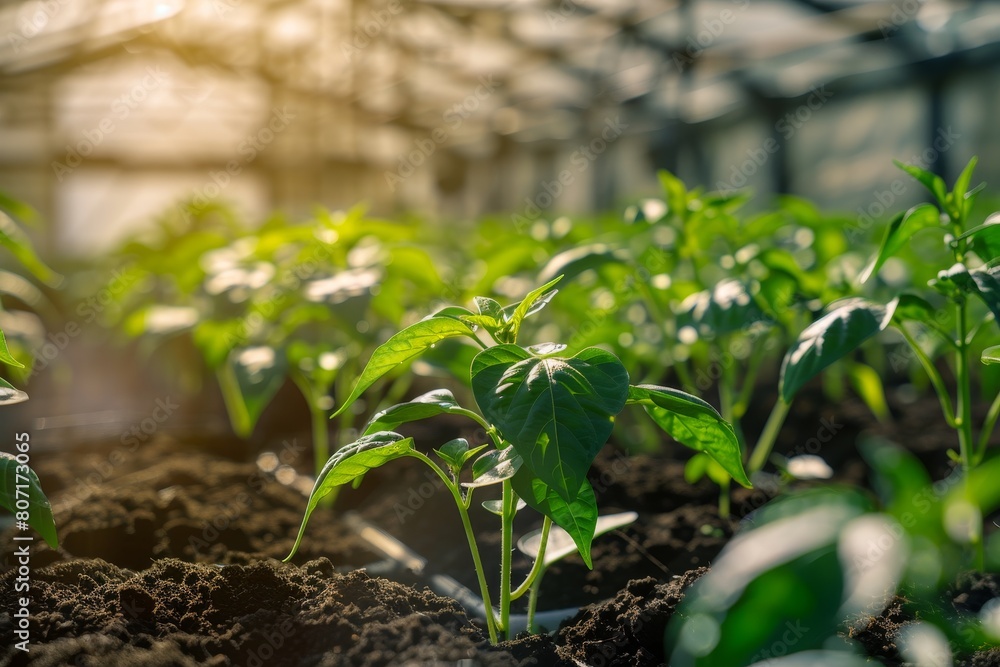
x: 574, y: 333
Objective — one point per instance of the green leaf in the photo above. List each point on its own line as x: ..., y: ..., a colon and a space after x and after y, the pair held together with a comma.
x: 929, y: 180
x: 693, y: 423
x: 349, y: 463
x: 961, y: 203
x: 457, y: 452
x: 578, y: 517
x: 528, y: 306
x: 409, y: 343
x: 5, y: 356
x: 987, y: 282
x: 250, y: 379
x: 868, y: 384
x: 489, y: 307
x: 17, y: 242
x: 725, y: 309
x: 984, y: 283
x: 431, y: 404
x: 9, y: 395
x: 991, y: 355
x: 14, y: 475
x: 556, y: 412
x: 796, y: 576
x: 900, y: 231
x: 494, y: 467
x: 986, y: 238
x: 832, y: 337
x: 676, y: 194
x: 913, y: 308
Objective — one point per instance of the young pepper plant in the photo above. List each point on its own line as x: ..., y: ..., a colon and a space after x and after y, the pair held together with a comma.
x: 973, y: 276
x: 546, y: 416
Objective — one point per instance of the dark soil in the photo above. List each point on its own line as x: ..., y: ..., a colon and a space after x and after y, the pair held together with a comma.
x: 169, y: 556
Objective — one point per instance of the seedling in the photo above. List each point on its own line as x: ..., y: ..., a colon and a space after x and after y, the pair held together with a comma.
x: 973, y: 277
x: 546, y: 416
x: 20, y: 491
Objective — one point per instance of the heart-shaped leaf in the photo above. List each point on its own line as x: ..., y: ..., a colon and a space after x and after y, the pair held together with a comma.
x: 405, y: 345
x: 832, y: 337
x: 693, y: 423
x: 557, y: 412
x: 577, y: 517
x: 433, y: 403
x: 349, y: 463
x: 19, y: 482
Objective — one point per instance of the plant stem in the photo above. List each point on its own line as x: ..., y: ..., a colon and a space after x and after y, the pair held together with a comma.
x: 963, y: 419
x: 509, y: 504
x: 987, y: 430
x: 967, y: 445
x: 484, y: 589
x: 935, y: 377
x: 767, y: 437
x: 321, y: 438
x: 538, y: 565
x: 533, y: 603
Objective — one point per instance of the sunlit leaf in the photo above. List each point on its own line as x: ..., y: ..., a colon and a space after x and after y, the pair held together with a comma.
x: 830, y: 338
x: 693, y: 423
x: 19, y: 482
x: 900, y: 231
x: 349, y: 463
x: 578, y: 517
x: 409, y: 343
x: 556, y: 412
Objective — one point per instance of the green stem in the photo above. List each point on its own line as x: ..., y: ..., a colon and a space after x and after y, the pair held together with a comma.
x: 533, y: 602
x: 964, y: 407
x: 935, y: 377
x: 484, y: 589
x: 509, y: 504
x: 967, y: 446
x: 767, y: 438
x: 724, y: 500
x: 988, y: 424
x: 538, y: 565
x: 750, y: 378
